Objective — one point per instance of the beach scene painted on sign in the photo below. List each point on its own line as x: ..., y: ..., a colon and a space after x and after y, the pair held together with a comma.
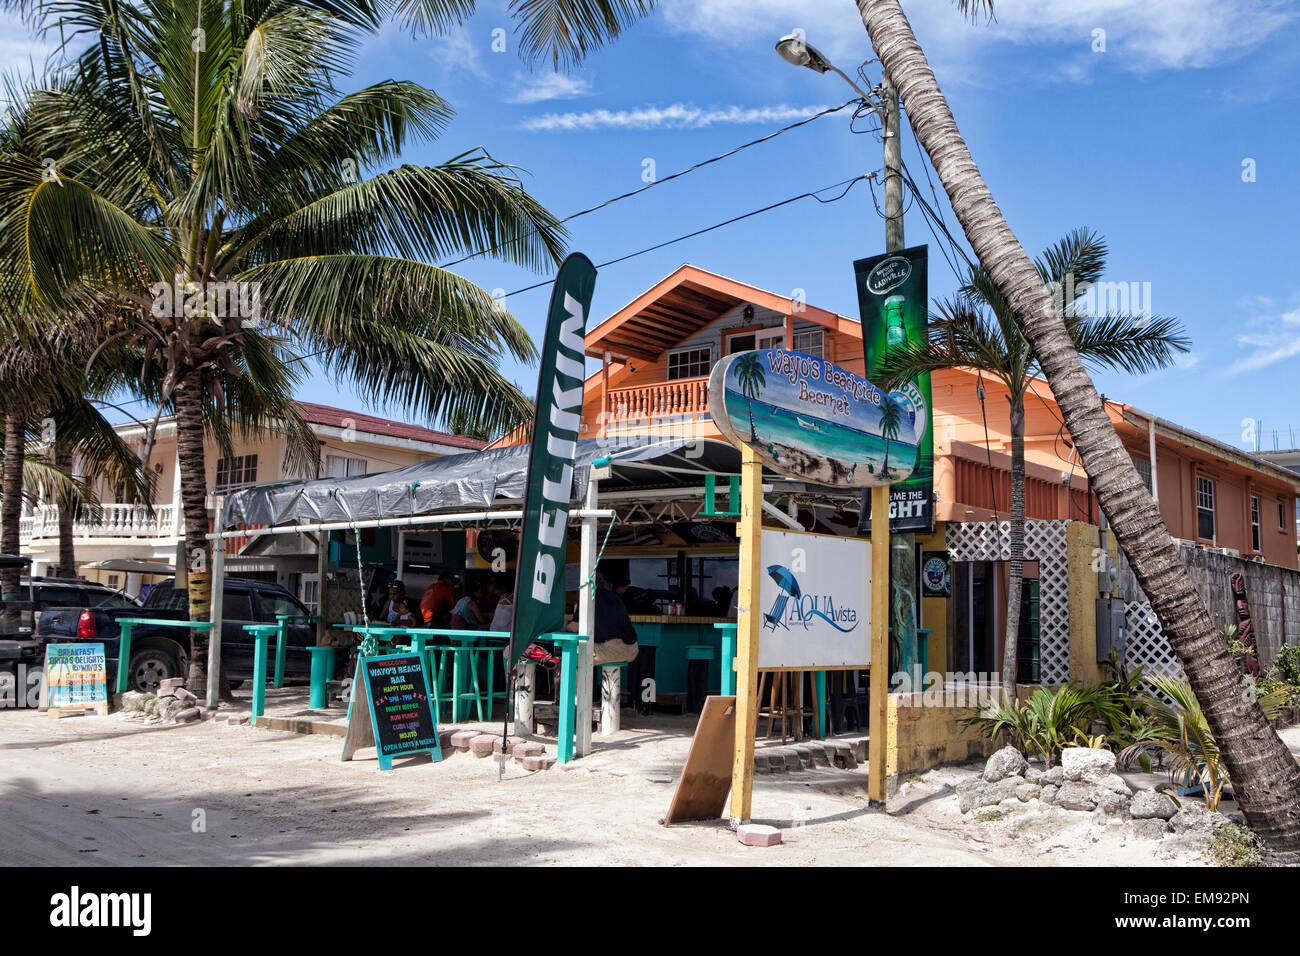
x: 813, y: 420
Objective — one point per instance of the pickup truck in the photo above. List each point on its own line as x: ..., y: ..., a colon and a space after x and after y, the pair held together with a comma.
x: 161, y: 652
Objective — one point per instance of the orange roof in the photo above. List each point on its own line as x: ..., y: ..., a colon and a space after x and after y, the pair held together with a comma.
x: 686, y: 301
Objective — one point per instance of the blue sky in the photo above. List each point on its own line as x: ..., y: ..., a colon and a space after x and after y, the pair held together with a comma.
x: 1140, y: 132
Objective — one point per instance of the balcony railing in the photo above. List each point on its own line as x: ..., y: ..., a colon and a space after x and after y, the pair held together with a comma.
x: 685, y: 398
x: 115, y: 521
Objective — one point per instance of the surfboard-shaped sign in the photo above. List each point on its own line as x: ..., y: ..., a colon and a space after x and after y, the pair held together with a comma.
x: 812, y: 420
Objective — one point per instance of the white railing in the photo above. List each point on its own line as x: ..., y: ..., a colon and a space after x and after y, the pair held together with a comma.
x: 115, y: 521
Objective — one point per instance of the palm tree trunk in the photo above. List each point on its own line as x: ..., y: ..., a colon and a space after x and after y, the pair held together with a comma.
x: 67, y: 552
x: 194, y: 491
x: 1264, y: 773
x: 1016, y: 566
x: 11, y: 487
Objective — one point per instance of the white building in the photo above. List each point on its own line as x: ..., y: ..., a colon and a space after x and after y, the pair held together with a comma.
x: 351, y: 443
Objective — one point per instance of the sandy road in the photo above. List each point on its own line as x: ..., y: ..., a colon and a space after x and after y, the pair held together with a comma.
x: 114, y: 792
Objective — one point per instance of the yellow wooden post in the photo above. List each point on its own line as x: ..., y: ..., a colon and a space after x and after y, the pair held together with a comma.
x: 877, y: 720
x: 747, y: 619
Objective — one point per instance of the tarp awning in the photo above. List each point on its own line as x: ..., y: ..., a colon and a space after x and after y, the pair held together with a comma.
x: 472, y: 481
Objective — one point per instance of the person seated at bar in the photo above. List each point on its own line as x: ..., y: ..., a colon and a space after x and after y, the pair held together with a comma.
x: 468, y: 614
x: 395, y: 610
x: 722, y: 601
x: 438, y: 600
x: 615, y: 637
x: 504, y: 613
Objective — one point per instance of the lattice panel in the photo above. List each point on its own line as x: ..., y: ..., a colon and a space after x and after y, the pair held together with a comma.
x: 1045, y: 542
x: 1146, y: 645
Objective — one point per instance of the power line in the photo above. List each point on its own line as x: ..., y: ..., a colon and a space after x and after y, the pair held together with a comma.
x: 660, y: 182
x: 846, y: 183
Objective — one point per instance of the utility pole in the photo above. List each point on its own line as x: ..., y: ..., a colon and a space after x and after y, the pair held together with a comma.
x: 893, y: 561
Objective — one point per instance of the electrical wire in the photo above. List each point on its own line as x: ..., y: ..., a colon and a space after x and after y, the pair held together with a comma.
x: 846, y: 183
x: 665, y: 179
x: 988, y: 448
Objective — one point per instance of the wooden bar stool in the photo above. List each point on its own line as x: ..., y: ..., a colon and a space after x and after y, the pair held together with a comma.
x: 784, y: 702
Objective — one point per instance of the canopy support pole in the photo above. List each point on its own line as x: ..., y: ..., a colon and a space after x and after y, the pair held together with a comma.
x: 587, y: 616
x: 215, y: 607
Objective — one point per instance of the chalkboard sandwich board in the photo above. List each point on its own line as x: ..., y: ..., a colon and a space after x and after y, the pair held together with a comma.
x: 395, y: 690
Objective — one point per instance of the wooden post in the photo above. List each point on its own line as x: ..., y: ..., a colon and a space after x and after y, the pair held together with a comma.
x: 876, y: 726
x: 748, y: 615
x: 525, y: 695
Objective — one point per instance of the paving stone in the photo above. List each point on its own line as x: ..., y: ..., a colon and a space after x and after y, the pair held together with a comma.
x: 461, y: 738
x: 188, y: 715
x: 758, y: 834
x: 527, y: 748
x: 481, y: 745
x: 538, y: 762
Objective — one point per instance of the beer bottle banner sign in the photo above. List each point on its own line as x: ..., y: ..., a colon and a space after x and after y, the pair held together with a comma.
x: 893, y: 302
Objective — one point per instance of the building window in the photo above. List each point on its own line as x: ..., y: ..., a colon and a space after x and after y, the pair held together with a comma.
x: 339, y: 466
x: 810, y: 342
x: 1281, y: 516
x: 1144, y: 469
x: 1254, y: 524
x: 1205, y: 508
x: 690, y: 363
x: 236, y: 471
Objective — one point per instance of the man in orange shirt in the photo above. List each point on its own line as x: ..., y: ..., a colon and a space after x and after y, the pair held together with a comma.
x: 438, y: 600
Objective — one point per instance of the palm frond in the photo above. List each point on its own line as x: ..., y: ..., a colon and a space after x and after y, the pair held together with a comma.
x: 566, y: 31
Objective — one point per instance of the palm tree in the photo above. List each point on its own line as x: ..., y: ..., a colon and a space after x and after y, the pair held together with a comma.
x: 204, y: 156
x: 891, y: 421
x: 42, y: 387
x: 749, y: 373
x: 975, y: 329
x: 1263, y: 769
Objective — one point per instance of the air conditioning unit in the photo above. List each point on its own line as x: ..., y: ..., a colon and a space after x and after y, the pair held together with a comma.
x: 1258, y: 559
x: 1231, y: 552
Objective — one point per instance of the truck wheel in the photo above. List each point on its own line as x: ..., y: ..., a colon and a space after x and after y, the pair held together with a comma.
x: 150, y: 666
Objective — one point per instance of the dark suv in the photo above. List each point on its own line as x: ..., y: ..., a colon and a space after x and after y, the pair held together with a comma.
x: 161, y: 652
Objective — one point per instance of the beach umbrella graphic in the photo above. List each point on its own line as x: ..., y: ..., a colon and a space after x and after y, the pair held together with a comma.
x: 789, y: 589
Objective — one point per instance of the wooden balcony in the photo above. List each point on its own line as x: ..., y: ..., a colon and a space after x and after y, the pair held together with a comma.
x: 686, y: 399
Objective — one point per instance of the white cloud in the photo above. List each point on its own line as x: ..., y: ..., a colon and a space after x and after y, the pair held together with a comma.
x: 1141, y: 35
x: 1276, y: 339
x: 457, y: 51
x: 21, y: 53
x: 675, y: 116
x: 548, y: 86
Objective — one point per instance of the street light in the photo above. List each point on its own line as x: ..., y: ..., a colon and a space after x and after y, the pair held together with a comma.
x: 797, y: 51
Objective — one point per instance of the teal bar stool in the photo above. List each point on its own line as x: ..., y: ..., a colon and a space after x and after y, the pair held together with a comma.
x: 322, y: 670
x: 568, y: 644
x: 819, y: 705
x: 728, y: 658
x: 261, y: 644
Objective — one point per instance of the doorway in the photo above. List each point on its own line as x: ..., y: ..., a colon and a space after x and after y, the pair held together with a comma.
x: 974, y: 645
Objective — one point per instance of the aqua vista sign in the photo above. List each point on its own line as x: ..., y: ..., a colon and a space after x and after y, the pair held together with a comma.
x: 813, y: 420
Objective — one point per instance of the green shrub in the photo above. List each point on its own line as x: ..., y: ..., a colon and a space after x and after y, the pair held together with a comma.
x: 1233, y: 844
x: 1044, y: 724
x: 1286, y: 666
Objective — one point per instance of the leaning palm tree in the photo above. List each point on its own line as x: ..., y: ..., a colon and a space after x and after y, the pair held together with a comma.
x: 207, y: 185
x: 1266, y: 775
x: 975, y: 329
